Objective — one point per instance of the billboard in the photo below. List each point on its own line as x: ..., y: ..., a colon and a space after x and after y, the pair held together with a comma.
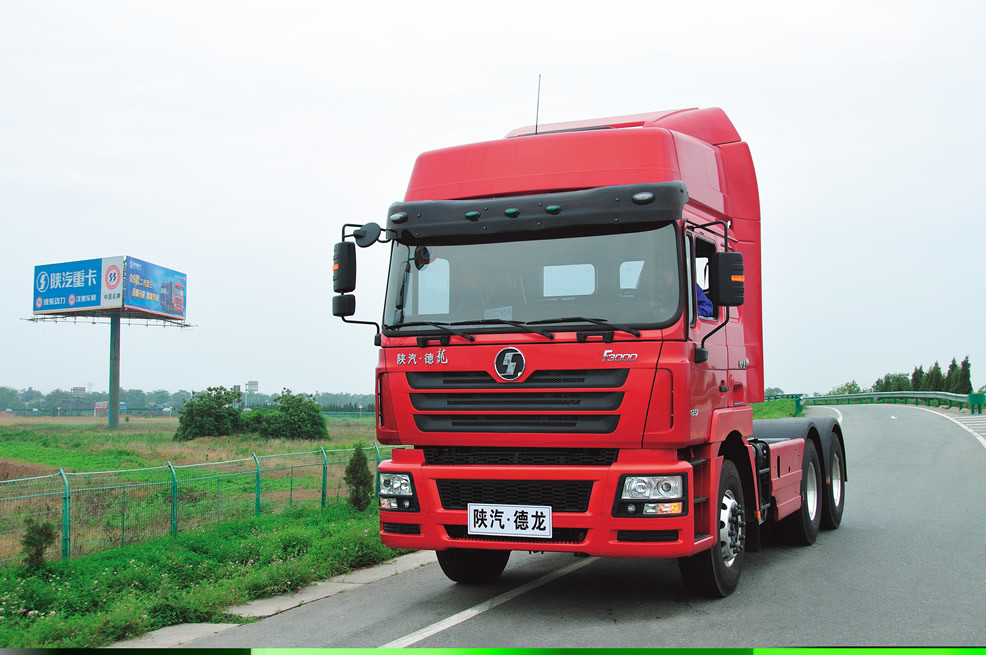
x: 154, y: 289
x: 80, y: 286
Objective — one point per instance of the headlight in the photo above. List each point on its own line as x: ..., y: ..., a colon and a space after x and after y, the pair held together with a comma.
x: 652, y: 487
x: 395, y: 484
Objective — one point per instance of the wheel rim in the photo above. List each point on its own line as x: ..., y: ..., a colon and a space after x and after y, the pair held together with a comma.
x: 732, y: 528
x: 811, y: 491
x: 836, y: 480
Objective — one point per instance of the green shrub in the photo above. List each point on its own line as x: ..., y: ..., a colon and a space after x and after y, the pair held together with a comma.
x: 38, y: 537
x: 297, y: 416
x: 359, y: 479
x: 209, y: 414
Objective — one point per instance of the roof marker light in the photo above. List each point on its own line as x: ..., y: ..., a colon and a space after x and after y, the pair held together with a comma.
x: 554, y: 210
x: 643, y: 198
x: 511, y: 213
x: 399, y: 217
x: 472, y: 216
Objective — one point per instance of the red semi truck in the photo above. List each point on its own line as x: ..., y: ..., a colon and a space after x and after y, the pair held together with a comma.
x: 571, y: 338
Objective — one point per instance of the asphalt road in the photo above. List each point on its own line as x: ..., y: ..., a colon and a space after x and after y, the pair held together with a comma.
x: 905, y: 569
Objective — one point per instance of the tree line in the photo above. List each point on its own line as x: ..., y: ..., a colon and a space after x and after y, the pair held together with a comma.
x: 29, y: 399
x: 956, y: 379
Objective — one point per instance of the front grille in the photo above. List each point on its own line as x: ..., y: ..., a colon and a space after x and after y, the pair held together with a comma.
x: 643, y: 536
x: 609, y: 378
x: 571, y: 423
x: 489, y: 456
x: 562, y: 496
x: 558, y: 536
x: 592, y: 401
x: 402, y: 528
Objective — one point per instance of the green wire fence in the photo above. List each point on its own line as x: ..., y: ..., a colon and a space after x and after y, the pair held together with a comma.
x: 98, y: 511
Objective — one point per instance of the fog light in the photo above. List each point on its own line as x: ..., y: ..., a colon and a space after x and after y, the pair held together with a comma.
x: 662, y: 508
x: 388, y: 503
x: 405, y: 503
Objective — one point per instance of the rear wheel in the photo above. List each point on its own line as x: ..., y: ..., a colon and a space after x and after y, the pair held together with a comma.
x: 716, y: 572
x: 835, y: 492
x: 802, y: 526
x: 471, y: 566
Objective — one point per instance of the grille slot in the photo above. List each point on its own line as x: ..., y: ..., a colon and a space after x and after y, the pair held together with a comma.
x: 644, y: 536
x: 609, y: 378
x: 402, y: 528
x: 522, y: 402
x: 558, y: 536
x: 562, y: 496
x: 490, y: 456
x: 585, y: 424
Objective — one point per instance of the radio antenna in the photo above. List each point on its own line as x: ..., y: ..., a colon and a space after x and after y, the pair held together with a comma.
x: 537, y: 109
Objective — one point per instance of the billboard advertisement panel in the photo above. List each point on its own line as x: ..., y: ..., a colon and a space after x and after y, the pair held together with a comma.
x: 79, y: 286
x: 154, y: 289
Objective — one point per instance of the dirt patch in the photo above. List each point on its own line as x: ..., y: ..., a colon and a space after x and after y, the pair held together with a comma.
x: 12, y: 469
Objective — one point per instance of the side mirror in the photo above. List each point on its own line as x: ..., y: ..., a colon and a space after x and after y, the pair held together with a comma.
x: 726, y: 279
x: 344, y: 268
x: 344, y: 305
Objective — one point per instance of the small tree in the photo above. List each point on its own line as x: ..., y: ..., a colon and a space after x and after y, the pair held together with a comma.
x: 917, y: 378
x: 359, y: 479
x: 212, y: 414
x: 965, y: 377
x: 38, y: 537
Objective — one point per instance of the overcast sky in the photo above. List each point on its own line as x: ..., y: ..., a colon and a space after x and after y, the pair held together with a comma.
x: 231, y: 141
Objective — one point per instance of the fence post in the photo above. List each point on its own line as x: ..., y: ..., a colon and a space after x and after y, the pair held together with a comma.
x: 376, y: 473
x: 291, y: 489
x: 123, y: 520
x: 257, y: 504
x: 174, y: 500
x: 798, y: 405
x: 325, y: 472
x: 66, y: 518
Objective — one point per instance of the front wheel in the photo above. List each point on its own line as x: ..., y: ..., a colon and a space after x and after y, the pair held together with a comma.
x: 471, y: 566
x: 716, y: 572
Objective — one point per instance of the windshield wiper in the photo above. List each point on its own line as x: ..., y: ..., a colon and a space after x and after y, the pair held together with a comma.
x: 596, y: 321
x: 441, y: 326
x: 502, y: 321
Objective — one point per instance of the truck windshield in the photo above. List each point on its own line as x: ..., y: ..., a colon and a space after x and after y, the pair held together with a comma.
x: 626, y: 279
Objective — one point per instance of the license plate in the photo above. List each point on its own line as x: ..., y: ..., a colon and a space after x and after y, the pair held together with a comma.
x: 510, y: 520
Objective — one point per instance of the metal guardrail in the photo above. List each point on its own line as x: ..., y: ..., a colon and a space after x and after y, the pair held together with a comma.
x: 102, y: 510
x: 974, y: 401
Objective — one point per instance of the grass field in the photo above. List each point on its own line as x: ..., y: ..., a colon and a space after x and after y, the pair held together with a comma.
x: 38, y: 446
x: 125, y: 577
x: 100, y: 599
x: 780, y: 408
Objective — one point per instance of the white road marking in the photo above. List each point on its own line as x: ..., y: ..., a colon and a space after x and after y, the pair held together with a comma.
x: 475, y: 610
x: 829, y: 407
x: 982, y: 440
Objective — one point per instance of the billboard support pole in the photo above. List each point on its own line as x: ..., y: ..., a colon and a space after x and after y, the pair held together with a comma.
x: 114, y: 409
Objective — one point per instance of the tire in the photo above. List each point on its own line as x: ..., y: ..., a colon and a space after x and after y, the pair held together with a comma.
x: 471, y: 566
x: 802, y: 526
x: 835, y: 492
x: 716, y: 572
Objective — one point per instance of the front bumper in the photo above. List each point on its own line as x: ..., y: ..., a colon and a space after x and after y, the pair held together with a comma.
x: 593, y: 531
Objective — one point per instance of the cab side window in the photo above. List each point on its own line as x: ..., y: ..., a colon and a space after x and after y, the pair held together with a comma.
x: 703, y: 253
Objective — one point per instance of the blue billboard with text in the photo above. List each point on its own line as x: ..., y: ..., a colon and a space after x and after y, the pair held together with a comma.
x: 80, y: 286
x: 155, y: 289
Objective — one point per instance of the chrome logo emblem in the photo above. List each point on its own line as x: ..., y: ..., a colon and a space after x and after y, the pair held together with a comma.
x: 509, y: 364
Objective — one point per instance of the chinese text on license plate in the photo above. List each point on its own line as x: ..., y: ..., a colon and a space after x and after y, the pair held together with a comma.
x: 510, y: 520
